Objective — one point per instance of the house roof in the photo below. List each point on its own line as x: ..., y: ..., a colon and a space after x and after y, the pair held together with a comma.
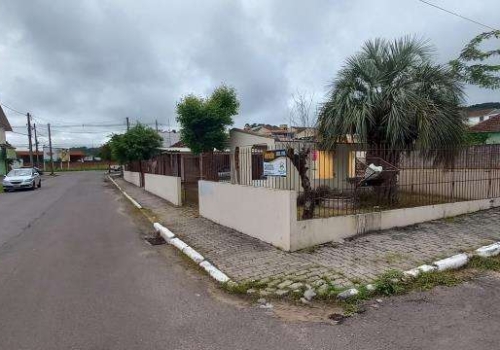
x: 179, y: 144
x: 479, y: 112
x: 4, y: 122
x: 252, y: 133
x: 490, y: 125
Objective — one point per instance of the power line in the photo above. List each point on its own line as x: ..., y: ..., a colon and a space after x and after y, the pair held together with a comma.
x: 19, y: 133
x: 13, y: 110
x: 457, y: 14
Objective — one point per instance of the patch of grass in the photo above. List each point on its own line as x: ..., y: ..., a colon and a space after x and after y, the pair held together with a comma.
x: 1, y: 189
x: 429, y: 280
x: 491, y: 263
x: 243, y: 287
x: 389, y: 283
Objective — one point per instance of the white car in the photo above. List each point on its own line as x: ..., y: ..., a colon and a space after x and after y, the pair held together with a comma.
x: 17, y: 179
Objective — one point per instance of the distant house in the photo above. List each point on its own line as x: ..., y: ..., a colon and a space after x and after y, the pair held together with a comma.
x: 6, y: 150
x: 489, y: 127
x: 23, y: 156
x: 179, y: 146
x: 283, y: 132
x: 169, y: 138
x: 325, y: 167
x: 475, y: 117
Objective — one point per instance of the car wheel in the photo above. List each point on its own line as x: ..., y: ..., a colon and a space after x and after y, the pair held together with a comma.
x: 34, y: 186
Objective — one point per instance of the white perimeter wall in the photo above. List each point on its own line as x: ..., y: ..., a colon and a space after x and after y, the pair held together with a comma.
x: 132, y: 177
x: 308, y: 233
x: 166, y: 187
x: 271, y: 215
x: 259, y: 212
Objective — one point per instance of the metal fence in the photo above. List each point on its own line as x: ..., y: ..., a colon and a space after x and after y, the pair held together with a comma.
x: 356, y: 178
x: 189, y: 167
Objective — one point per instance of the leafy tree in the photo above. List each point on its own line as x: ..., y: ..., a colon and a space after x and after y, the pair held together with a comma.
x: 139, y: 143
x: 487, y: 105
x: 204, y: 121
x: 391, y: 95
x: 481, y: 74
x: 476, y: 138
x: 105, y: 152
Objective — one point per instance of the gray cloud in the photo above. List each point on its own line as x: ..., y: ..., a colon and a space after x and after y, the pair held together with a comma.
x: 99, y: 61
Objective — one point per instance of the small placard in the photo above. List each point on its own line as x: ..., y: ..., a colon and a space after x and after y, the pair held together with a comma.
x: 275, y: 163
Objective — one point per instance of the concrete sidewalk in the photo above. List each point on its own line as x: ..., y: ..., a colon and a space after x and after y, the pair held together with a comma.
x: 361, y: 260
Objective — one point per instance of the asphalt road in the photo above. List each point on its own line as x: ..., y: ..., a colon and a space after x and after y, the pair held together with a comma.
x: 75, y: 274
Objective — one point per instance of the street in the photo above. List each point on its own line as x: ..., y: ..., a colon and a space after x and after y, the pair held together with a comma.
x: 75, y: 274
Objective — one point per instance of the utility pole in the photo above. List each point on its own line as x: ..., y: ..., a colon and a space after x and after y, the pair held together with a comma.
x: 50, y: 150
x: 156, y: 124
x: 128, y: 124
x: 36, y: 147
x: 28, y: 117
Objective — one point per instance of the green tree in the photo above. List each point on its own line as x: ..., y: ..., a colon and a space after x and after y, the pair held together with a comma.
x: 392, y: 95
x: 204, y: 121
x: 105, y: 152
x: 480, y: 73
x: 139, y: 143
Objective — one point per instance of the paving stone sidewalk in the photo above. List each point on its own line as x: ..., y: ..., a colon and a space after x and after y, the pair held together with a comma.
x: 360, y: 260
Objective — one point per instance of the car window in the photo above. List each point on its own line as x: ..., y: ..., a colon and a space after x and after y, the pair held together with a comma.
x: 20, y: 172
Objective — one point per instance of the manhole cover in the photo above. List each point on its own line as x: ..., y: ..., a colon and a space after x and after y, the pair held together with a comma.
x: 157, y: 240
x: 338, y: 318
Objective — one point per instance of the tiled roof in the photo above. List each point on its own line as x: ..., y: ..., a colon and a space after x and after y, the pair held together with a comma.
x: 490, y: 125
x: 252, y: 133
x: 479, y: 112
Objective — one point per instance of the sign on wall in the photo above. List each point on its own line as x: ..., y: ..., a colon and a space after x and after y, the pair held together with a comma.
x: 275, y: 163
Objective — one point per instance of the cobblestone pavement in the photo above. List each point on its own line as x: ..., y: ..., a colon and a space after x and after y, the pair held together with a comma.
x: 334, y: 265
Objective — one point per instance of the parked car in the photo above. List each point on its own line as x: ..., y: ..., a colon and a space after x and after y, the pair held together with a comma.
x: 115, y: 168
x: 22, y: 178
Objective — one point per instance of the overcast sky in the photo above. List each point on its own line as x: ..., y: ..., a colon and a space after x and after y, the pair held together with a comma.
x: 100, y: 61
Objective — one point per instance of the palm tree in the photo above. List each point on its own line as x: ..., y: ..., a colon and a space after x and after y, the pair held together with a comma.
x: 392, y: 95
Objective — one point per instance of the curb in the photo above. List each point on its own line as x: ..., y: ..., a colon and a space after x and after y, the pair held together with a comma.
x: 134, y: 202
x: 170, y: 238
x: 199, y: 260
x: 452, y: 263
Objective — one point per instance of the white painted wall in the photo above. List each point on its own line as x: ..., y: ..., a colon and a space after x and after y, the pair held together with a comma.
x: 259, y: 212
x: 308, y: 233
x: 271, y: 215
x: 132, y: 177
x: 166, y: 187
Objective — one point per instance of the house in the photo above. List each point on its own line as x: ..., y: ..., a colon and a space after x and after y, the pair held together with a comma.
x: 477, y: 116
x: 6, y: 150
x: 169, y: 138
x: 331, y: 168
x: 178, y: 146
x: 23, y: 156
x: 489, y: 127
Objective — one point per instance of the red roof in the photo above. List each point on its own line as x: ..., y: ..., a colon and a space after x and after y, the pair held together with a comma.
x: 479, y: 112
x: 179, y: 144
x: 490, y: 125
